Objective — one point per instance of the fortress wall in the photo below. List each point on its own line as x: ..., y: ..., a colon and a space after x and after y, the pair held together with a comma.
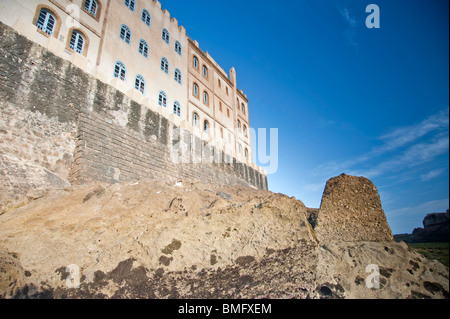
x: 38, y: 117
x: 351, y: 211
x: 111, y: 153
x: 58, y: 125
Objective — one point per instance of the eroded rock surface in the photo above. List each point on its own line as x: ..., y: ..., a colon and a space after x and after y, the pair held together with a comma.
x: 190, y: 240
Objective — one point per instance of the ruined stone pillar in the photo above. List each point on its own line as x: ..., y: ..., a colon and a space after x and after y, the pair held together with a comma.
x: 351, y: 211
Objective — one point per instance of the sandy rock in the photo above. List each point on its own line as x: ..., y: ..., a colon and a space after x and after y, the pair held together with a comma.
x: 98, y: 226
x: 157, y: 240
x: 349, y: 270
x: 12, y: 275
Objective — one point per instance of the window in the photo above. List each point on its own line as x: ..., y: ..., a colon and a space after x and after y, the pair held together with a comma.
x: 205, y: 98
x: 91, y: 7
x: 243, y: 108
x: 165, y: 65
x: 195, y: 62
x: 220, y: 84
x: 239, y: 124
x: 178, y: 76
x: 220, y: 106
x: 178, y: 47
x: 143, y: 48
x: 177, y: 108
x: 139, y: 83
x: 228, y: 112
x: 46, y: 21
x: 240, y: 148
x: 195, y: 90
x: 237, y: 104
x: 166, y: 36
x: 77, y: 42
x: 146, y: 17
x: 195, y: 119
x: 205, y: 71
x: 227, y: 89
x: 244, y: 128
x: 131, y: 4
x: 246, y: 153
x: 221, y: 132
x: 206, y: 126
x: 120, y: 71
x: 162, y: 99
x: 125, y: 34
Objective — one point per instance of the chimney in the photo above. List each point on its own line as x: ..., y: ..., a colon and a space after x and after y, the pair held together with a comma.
x: 233, y: 76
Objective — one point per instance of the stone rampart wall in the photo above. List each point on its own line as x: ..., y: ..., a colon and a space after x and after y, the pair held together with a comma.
x: 59, y: 125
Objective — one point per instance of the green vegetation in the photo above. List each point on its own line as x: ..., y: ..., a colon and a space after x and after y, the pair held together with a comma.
x: 438, y: 251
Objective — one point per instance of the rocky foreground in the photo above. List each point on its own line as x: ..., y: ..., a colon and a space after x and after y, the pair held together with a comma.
x: 190, y: 240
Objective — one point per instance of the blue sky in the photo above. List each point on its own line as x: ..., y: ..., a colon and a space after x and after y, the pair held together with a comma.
x: 345, y: 98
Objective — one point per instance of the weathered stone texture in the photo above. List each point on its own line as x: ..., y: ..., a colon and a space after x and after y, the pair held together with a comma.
x: 193, y: 240
x: 36, y: 152
x: 351, y: 211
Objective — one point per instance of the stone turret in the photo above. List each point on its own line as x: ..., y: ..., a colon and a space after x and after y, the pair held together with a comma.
x: 351, y: 211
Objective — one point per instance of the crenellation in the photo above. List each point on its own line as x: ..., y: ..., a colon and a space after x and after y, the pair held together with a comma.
x: 157, y: 3
x: 166, y: 13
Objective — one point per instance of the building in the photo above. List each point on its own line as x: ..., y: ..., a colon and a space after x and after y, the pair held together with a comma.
x: 138, y: 48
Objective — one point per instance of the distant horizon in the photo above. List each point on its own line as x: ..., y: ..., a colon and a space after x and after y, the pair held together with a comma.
x: 446, y: 212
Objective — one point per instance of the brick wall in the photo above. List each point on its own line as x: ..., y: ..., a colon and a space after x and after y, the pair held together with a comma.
x: 38, y: 120
x: 58, y: 121
x: 108, y: 152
